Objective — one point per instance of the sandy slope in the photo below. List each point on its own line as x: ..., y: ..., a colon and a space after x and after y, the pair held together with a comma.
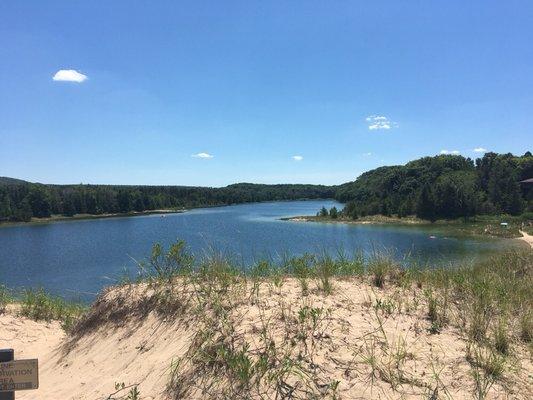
x: 125, y: 340
x: 30, y: 339
x: 527, y: 238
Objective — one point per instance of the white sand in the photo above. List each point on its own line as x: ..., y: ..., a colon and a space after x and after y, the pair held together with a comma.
x: 527, y: 238
x: 140, y: 350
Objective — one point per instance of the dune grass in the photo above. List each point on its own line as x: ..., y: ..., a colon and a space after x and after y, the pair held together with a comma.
x: 490, y: 302
x: 6, y: 297
x: 39, y: 305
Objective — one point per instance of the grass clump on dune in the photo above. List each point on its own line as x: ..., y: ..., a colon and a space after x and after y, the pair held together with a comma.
x: 494, y: 295
x: 42, y: 306
x: 5, y: 298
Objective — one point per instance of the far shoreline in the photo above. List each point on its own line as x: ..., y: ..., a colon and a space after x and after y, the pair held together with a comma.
x: 81, y: 217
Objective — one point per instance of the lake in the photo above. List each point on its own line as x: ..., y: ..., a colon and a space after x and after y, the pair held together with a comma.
x: 76, y: 259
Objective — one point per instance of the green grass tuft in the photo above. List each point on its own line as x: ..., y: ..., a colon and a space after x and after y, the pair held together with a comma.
x: 39, y: 305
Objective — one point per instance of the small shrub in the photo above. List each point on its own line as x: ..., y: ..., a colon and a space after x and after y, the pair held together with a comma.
x: 477, y: 329
x: 301, y: 267
x: 436, y: 312
x: 526, y: 326
x: 325, y: 270
x: 380, y: 267
x: 387, y: 306
x: 350, y: 266
x: 487, y: 368
x: 261, y: 269
x: 165, y: 265
x: 501, y: 338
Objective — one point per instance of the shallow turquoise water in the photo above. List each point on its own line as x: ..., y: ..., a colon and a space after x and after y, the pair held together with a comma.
x: 77, y: 258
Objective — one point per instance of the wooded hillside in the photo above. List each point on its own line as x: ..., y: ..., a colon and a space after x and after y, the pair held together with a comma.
x: 445, y: 186
x: 20, y: 201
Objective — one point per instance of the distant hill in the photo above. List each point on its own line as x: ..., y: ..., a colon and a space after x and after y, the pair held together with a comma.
x: 4, y: 180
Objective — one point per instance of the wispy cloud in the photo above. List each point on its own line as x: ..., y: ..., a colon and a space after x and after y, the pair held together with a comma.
x: 480, y: 150
x: 297, y: 158
x: 69, y: 75
x: 367, y: 154
x: 454, y: 152
x: 380, y: 122
x: 202, y: 155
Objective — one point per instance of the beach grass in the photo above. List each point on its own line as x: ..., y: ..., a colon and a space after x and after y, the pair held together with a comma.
x: 39, y: 305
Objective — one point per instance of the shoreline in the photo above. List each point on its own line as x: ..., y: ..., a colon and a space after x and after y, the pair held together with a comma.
x: 486, y: 229
x: 81, y: 217
x: 78, y: 217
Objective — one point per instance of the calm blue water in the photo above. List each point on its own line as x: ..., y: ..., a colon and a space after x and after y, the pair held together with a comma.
x: 77, y: 258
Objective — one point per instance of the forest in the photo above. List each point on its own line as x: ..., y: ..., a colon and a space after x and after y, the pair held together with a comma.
x: 443, y: 187
x: 440, y: 187
x: 21, y: 200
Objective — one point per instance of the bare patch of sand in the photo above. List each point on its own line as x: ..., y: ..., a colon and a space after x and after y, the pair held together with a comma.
x: 527, y: 238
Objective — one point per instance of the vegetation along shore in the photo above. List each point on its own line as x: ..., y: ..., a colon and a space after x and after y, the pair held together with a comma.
x: 308, y: 327
x: 75, y: 217
x: 501, y: 226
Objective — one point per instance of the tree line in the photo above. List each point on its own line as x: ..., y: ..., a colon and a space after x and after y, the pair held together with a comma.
x: 443, y: 187
x: 20, y: 200
x: 440, y: 187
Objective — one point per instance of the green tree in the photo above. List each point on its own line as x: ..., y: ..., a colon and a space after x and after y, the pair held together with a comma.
x: 503, y: 187
x: 123, y: 200
x: 425, y: 207
x: 5, y: 207
x: 69, y: 207
x: 323, y: 212
x: 39, y: 202
x: 350, y: 210
x: 333, y: 212
x: 24, y: 211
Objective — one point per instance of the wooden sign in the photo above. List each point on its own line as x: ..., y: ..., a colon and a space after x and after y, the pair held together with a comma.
x: 19, y: 375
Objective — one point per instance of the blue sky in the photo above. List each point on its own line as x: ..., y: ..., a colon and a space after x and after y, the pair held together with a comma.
x: 212, y: 93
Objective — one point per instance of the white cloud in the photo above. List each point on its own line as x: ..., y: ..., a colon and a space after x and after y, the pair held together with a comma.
x: 480, y: 150
x: 367, y: 154
x: 380, y: 122
x: 202, y: 155
x: 69, y: 75
x: 297, y: 158
x: 454, y: 152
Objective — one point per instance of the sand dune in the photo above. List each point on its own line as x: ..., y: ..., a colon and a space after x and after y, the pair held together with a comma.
x: 365, y: 343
